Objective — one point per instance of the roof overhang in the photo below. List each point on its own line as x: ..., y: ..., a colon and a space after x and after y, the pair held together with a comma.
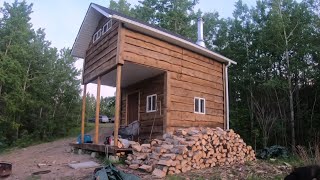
x: 94, y: 14
x: 87, y: 29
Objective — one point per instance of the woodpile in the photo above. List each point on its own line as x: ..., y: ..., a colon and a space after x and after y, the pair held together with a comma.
x: 192, y: 148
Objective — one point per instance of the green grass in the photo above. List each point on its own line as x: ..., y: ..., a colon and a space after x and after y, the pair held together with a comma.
x: 104, y: 160
x: 256, y: 177
x: 30, y: 140
x: 253, y: 177
x: 292, y: 160
x: 173, y: 177
x: 74, y: 132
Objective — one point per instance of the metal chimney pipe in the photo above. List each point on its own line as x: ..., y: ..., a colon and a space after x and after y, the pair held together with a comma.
x: 200, y: 40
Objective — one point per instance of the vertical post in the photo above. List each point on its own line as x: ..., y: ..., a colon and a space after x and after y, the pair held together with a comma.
x: 166, y: 90
x: 118, y: 99
x: 96, y: 135
x: 224, y: 97
x: 227, y: 94
x: 83, y: 111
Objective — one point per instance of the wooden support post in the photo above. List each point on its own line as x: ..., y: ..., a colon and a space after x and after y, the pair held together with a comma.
x: 96, y: 135
x: 166, y: 128
x: 224, y: 97
x: 118, y: 101
x: 83, y: 111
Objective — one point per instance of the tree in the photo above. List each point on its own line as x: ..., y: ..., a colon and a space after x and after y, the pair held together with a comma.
x: 289, y: 21
x: 39, y: 95
x: 256, y: 38
x: 121, y: 6
x: 108, y: 106
x: 16, y: 34
x: 174, y: 15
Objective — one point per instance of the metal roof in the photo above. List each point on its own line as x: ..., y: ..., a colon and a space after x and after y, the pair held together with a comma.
x: 94, y: 14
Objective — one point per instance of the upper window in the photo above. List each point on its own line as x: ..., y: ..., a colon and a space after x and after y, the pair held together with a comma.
x: 107, y: 26
x: 97, y: 35
x: 151, y: 103
x: 199, y: 105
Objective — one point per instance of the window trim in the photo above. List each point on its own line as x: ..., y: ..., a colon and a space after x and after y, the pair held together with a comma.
x: 199, y: 105
x: 147, y: 103
x: 109, y: 26
x: 98, y: 34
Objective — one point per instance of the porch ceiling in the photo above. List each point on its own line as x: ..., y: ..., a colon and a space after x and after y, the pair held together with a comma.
x: 131, y: 73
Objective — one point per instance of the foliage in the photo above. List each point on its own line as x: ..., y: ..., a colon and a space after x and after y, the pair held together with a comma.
x: 174, y: 15
x: 107, y: 106
x: 310, y: 156
x: 255, y: 38
x: 275, y: 151
x: 121, y: 6
x: 39, y: 88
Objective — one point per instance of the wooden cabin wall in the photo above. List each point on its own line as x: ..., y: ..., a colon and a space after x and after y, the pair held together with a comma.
x: 189, y: 75
x: 101, y: 55
x: 154, y: 85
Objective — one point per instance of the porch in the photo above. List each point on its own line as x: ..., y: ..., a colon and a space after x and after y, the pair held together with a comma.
x: 127, y: 109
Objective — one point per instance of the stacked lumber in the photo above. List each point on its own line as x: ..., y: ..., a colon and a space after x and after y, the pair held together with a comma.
x: 192, y: 148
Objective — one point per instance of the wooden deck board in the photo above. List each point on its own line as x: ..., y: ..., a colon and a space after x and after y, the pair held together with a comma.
x: 100, y: 148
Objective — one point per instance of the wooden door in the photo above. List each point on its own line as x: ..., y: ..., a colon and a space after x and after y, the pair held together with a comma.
x: 133, y: 107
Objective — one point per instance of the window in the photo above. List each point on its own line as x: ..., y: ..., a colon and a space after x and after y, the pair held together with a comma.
x: 107, y: 26
x: 199, y: 105
x: 97, y: 35
x: 152, y: 103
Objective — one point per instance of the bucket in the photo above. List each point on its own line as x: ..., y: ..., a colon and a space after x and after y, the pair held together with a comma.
x: 5, y: 169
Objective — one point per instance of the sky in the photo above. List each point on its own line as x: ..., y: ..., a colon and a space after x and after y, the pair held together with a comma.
x: 62, y: 19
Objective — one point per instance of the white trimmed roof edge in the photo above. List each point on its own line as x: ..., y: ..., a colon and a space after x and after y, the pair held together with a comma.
x: 87, y: 29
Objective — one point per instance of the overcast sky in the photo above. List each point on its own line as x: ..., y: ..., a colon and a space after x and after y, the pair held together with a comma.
x: 62, y: 19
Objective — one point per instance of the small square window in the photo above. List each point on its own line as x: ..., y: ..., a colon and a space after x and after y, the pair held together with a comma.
x: 97, y: 35
x: 199, y: 105
x: 151, y: 103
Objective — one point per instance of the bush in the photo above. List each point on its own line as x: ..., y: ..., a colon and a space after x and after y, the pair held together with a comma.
x: 309, y: 156
x: 275, y: 151
x: 26, y: 140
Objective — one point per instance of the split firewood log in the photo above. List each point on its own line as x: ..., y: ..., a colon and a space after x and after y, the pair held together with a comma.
x: 190, y: 148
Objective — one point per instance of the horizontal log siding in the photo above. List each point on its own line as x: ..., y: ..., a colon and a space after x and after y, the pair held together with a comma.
x: 147, y: 87
x: 101, y: 55
x: 191, y: 75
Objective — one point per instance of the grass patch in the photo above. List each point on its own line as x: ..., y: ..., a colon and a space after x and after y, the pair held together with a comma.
x: 106, y: 161
x: 293, y: 160
x: 74, y: 132
x: 30, y: 140
x: 309, y: 155
x: 253, y: 177
x: 174, y: 177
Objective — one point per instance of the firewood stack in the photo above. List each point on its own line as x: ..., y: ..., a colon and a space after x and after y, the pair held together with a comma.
x: 192, y: 148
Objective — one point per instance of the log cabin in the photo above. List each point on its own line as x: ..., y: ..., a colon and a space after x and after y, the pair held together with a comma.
x: 163, y: 80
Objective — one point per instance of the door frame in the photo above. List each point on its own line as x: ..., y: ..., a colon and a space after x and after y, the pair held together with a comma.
x: 127, y: 100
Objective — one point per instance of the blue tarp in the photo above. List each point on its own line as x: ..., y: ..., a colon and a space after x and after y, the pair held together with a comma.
x: 87, y: 139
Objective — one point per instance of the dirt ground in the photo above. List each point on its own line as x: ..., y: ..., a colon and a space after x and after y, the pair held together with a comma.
x: 56, y: 155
